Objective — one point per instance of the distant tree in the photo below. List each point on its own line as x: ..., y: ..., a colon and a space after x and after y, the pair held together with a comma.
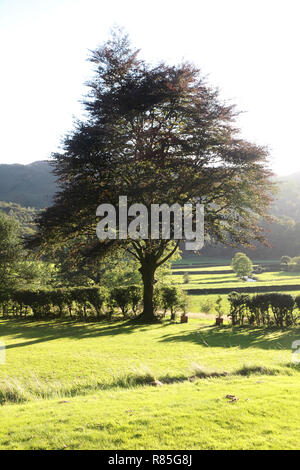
x: 242, y: 265
x: 157, y: 134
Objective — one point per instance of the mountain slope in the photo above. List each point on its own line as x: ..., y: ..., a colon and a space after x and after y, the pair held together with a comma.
x: 29, y: 185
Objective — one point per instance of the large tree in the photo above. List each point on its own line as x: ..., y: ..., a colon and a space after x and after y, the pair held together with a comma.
x: 156, y: 134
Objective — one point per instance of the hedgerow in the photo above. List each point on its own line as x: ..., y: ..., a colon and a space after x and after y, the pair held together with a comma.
x: 264, y: 309
x: 88, y: 302
x: 79, y: 302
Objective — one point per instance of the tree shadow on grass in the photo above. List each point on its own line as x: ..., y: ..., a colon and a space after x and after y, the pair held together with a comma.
x: 39, y: 331
x: 242, y: 337
x: 33, y: 332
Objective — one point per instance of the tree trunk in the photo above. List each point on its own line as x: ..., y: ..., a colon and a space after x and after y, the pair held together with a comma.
x: 147, y: 270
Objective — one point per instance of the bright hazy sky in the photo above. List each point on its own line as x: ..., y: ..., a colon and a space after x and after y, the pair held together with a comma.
x: 248, y: 48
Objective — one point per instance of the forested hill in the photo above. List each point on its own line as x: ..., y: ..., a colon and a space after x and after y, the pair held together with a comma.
x: 30, y: 185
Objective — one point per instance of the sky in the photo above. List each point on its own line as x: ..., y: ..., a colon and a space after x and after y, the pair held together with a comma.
x: 248, y: 49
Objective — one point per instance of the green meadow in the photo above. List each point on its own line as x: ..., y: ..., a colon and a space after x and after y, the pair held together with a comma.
x: 118, y: 385
x: 226, y: 278
x: 87, y: 385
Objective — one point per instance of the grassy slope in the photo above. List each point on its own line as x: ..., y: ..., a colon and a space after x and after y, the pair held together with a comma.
x: 91, y: 374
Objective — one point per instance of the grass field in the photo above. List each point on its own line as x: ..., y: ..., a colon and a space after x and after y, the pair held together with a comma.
x: 229, y: 279
x: 77, y: 386
x: 72, y: 385
x: 225, y: 278
x: 194, y: 259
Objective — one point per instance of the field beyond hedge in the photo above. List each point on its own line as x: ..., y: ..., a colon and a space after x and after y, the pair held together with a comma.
x: 78, y: 385
x: 222, y: 277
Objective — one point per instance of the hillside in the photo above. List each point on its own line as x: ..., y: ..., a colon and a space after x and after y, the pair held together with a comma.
x: 30, y: 185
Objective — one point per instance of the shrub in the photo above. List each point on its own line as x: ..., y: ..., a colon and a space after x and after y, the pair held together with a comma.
x: 96, y: 296
x: 126, y: 297
x: 265, y: 309
x: 218, y: 307
x: 186, y: 278
x: 172, y: 299
x: 135, y: 298
x: 238, y: 307
x: 282, y: 307
x: 4, y: 301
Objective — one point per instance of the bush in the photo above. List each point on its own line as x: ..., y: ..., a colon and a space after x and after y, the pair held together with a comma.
x: 5, y: 298
x: 218, y: 307
x: 238, y: 307
x: 125, y: 298
x: 172, y: 299
x: 186, y: 278
x: 282, y: 307
x: 50, y: 302
x: 135, y: 296
x: 265, y: 309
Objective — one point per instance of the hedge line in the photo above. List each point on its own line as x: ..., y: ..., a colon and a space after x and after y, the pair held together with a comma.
x: 87, y: 302
x: 249, y: 290
x: 264, y: 309
x: 77, y: 301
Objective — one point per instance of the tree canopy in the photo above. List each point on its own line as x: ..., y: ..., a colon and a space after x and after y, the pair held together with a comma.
x: 156, y: 134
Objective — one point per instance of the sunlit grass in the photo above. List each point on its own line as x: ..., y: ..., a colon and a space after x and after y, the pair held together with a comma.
x: 230, y: 280
x: 87, y: 386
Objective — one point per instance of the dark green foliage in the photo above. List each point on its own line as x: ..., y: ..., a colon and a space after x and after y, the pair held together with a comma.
x: 172, y: 299
x: 82, y: 302
x: 282, y: 307
x: 127, y: 298
x: 4, y: 301
x: 297, y: 302
x: 263, y: 309
x: 136, y: 296
x: 238, y: 305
